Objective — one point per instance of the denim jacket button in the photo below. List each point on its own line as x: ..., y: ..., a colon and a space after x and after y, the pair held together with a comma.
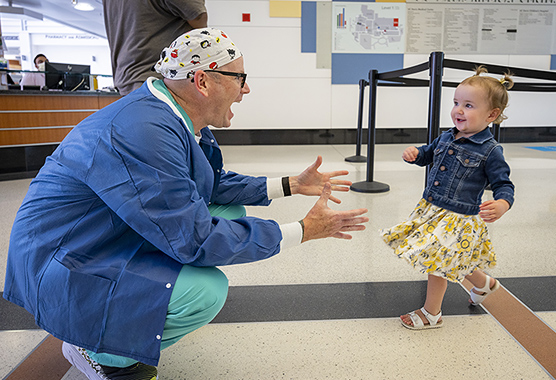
x: 442, y: 168
x: 450, y: 152
x: 430, y: 199
x: 436, y: 183
x: 466, y: 160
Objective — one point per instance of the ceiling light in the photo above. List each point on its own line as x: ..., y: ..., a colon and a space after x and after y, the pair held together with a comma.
x: 80, y: 6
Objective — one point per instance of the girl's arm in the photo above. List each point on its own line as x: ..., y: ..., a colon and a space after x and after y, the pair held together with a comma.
x: 498, y: 174
x: 425, y: 153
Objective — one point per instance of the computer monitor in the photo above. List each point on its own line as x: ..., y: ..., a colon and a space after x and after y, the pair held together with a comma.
x: 67, y: 76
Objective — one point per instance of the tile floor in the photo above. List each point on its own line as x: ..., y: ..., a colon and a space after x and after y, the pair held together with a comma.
x: 328, y: 309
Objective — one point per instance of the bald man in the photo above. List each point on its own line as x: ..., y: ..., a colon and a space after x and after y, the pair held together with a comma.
x: 115, y: 247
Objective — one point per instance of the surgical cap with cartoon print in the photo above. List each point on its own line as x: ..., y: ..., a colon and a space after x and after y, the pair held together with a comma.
x: 198, y: 49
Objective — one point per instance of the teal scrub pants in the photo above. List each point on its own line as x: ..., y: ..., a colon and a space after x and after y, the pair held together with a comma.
x: 198, y: 296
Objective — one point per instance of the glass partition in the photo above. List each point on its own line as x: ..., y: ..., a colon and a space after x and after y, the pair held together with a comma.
x: 56, y: 77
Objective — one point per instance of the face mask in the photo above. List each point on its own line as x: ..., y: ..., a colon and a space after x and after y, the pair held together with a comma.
x: 41, y: 66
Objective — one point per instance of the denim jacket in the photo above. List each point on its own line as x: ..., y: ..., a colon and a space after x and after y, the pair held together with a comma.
x: 462, y: 169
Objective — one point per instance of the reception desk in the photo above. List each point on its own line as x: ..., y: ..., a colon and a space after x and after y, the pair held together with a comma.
x: 33, y: 123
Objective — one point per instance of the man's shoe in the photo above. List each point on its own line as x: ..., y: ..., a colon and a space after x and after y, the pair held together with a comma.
x: 79, y: 358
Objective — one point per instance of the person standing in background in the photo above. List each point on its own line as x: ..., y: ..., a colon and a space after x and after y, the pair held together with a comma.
x: 35, y: 79
x: 137, y: 29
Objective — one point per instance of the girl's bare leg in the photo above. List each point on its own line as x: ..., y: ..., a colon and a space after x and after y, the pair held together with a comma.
x: 436, y: 288
x: 478, y: 279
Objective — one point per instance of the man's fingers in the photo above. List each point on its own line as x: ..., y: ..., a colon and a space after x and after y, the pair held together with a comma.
x: 354, y: 227
x: 335, y: 200
x: 326, y: 193
x: 341, y: 185
x: 337, y: 173
x: 353, y: 213
x: 327, y: 190
x: 340, y: 235
x: 317, y: 163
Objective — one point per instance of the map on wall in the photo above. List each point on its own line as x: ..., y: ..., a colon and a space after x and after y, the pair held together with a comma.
x: 368, y: 27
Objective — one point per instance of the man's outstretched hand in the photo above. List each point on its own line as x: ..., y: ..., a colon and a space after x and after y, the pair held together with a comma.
x: 311, y: 181
x: 322, y: 222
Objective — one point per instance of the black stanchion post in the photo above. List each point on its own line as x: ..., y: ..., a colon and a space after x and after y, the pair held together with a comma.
x: 358, y: 157
x: 436, y: 66
x: 496, y: 131
x: 371, y: 186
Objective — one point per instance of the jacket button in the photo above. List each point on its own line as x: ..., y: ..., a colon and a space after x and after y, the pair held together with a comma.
x: 212, y: 140
x: 442, y: 168
x: 436, y: 183
x: 450, y: 152
x: 430, y: 199
x: 158, y: 337
x: 168, y: 285
x: 466, y: 160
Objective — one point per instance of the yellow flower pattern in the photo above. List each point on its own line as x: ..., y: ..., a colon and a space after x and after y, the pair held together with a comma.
x: 441, y: 242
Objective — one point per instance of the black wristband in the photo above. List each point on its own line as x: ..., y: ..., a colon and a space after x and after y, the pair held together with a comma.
x: 286, y: 186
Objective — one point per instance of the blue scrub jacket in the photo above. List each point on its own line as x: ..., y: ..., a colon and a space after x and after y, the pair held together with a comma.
x: 114, y: 214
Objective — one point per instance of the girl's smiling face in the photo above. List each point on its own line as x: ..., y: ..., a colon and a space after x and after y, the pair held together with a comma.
x: 472, y: 110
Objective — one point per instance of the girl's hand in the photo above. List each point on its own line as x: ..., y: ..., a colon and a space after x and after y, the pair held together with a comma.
x: 491, y: 211
x: 410, y: 154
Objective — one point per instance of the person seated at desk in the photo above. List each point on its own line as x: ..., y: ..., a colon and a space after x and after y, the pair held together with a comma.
x: 35, y: 79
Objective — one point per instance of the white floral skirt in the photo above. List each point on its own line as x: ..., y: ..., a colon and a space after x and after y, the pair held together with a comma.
x: 441, y: 242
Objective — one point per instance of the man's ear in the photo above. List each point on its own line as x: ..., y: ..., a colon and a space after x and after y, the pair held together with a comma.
x: 494, y: 113
x: 201, y: 83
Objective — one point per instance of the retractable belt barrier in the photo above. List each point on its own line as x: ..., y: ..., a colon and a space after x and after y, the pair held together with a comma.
x: 435, y: 66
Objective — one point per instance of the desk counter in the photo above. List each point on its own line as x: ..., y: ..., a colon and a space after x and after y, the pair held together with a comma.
x: 41, y: 117
x: 33, y: 123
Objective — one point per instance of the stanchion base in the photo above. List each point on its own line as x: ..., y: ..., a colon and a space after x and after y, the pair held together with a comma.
x: 356, y: 159
x: 370, y: 187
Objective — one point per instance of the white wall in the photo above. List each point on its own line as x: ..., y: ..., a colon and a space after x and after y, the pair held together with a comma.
x: 288, y: 91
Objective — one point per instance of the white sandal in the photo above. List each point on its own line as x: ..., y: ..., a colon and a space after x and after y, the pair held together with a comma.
x: 476, y: 299
x: 418, y: 324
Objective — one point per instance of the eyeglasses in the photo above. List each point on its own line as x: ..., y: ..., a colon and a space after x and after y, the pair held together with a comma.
x: 241, y: 76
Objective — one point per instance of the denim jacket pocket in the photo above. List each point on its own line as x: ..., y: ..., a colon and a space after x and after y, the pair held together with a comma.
x: 467, y: 164
x: 439, y: 149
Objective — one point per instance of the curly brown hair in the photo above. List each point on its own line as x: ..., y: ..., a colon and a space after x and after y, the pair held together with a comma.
x: 496, y: 89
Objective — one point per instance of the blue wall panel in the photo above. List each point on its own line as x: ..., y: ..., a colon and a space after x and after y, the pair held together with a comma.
x: 308, y: 27
x: 349, y: 68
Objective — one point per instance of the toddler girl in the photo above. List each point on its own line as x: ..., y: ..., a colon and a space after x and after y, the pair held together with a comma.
x: 446, y: 235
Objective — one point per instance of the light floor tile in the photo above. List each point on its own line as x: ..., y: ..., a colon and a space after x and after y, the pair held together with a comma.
x: 16, y: 346
x: 349, y: 349
x: 468, y: 347
x: 522, y: 238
